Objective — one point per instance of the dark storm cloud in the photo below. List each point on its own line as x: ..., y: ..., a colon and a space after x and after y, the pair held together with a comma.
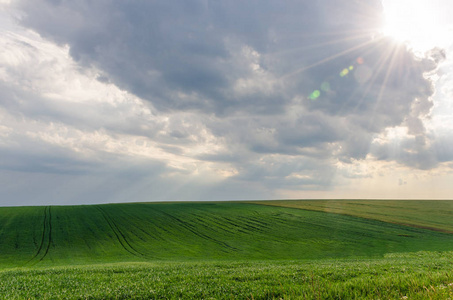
x: 156, y: 48
x: 159, y: 50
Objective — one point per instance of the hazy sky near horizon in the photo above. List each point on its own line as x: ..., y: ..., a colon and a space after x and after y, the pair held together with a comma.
x: 127, y: 101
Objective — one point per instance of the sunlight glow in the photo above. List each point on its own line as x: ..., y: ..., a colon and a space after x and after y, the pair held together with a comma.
x: 421, y: 24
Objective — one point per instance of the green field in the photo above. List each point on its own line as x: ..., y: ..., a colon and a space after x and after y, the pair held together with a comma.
x: 416, y: 276
x: 430, y: 214
x: 290, y: 249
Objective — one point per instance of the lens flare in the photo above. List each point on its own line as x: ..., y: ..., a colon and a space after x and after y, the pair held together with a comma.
x: 344, y: 72
x: 361, y: 73
x: 315, y: 95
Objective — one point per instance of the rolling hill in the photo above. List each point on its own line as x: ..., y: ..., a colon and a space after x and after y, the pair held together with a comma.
x: 71, y: 235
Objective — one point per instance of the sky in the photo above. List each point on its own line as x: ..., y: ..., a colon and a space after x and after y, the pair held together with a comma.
x: 129, y: 101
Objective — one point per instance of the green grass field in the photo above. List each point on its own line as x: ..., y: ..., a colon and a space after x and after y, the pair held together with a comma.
x: 430, y: 214
x: 289, y: 249
x: 415, y: 276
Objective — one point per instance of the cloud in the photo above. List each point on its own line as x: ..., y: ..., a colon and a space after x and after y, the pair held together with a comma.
x: 212, y: 47
x: 264, y: 94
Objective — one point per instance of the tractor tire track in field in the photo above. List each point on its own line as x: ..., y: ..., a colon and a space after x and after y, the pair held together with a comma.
x: 242, y: 223
x: 197, y: 233
x: 140, y: 228
x: 50, y: 234
x: 119, y: 235
x: 223, y: 224
x: 46, y: 232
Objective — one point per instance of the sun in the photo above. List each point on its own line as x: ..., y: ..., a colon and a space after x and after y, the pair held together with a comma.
x: 421, y: 24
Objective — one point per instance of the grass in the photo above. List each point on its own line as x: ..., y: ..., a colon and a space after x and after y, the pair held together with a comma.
x: 423, y: 275
x: 220, y: 250
x: 62, y: 235
x: 429, y: 214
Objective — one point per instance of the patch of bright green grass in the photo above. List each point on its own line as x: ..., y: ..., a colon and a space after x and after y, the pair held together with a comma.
x: 404, y: 276
x: 72, y: 235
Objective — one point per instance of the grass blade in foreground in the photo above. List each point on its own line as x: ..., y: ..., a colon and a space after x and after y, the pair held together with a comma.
x: 420, y: 275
